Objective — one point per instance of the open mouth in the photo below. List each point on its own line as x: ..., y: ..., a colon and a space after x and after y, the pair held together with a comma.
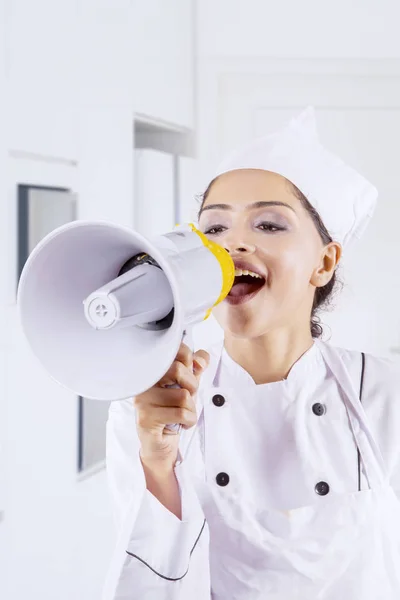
x: 245, y: 287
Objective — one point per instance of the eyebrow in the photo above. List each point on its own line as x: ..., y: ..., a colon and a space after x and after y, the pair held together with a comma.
x: 261, y: 204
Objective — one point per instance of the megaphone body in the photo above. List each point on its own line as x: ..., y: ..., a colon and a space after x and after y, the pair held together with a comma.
x: 104, y: 308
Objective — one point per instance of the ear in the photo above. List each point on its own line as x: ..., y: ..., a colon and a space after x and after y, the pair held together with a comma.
x: 330, y: 258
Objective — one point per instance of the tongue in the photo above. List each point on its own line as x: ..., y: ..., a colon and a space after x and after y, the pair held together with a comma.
x: 242, y: 289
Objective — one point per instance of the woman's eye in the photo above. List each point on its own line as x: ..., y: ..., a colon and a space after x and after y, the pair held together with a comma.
x: 266, y: 226
x: 215, y: 229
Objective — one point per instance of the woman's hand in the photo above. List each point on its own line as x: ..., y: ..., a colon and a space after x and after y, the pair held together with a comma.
x: 160, y: 406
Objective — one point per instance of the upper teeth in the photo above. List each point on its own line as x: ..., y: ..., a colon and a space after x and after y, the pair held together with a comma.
x: 239, y: 272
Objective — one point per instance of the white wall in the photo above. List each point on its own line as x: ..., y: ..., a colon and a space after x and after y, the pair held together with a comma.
x: 72, y: 95
x: 289, y: 29
x: 265, y: 36
x: 3, y: 262
x: 155, y: 72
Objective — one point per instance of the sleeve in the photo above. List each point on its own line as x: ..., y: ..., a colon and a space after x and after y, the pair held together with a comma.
x: 157, y: 556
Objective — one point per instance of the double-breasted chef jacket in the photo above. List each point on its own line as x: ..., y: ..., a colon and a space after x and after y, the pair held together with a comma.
x: 289, y: 489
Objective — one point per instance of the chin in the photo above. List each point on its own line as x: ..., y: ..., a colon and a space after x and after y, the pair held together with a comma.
x: 241, y: 325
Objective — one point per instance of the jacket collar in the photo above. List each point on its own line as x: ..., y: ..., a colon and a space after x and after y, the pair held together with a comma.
x: 307, y: 362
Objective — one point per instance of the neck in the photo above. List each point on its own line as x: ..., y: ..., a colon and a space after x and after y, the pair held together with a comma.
x: 269, y: 357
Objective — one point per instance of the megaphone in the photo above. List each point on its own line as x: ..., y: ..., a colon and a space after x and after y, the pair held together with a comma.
x: 104, y: 308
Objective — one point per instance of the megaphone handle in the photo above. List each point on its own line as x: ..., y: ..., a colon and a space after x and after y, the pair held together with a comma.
x: 175, y: 428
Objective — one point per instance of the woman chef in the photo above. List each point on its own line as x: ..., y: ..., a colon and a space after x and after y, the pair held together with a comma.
x: 286, y: 487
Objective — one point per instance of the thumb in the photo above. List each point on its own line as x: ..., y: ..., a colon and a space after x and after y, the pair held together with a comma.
x: 201, y: 360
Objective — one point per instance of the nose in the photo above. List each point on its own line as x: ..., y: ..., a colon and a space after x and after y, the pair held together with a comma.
x: 239, y: 248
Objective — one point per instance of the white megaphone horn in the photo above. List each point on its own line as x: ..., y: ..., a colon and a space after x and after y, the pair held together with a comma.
x: 104, y: 309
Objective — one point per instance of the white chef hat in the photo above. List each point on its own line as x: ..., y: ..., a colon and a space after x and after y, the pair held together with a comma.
x: 344, y: 199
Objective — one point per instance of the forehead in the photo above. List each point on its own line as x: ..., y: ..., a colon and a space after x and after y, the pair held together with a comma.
x: 242, y: 187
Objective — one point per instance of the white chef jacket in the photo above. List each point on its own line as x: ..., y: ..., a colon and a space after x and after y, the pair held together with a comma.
x: 281, y: 446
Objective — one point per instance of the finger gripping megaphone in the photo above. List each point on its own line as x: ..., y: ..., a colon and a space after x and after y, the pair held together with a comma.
x: 104, y: 309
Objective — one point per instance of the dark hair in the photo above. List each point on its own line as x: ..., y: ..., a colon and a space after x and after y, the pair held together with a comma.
x: 323, y: 295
